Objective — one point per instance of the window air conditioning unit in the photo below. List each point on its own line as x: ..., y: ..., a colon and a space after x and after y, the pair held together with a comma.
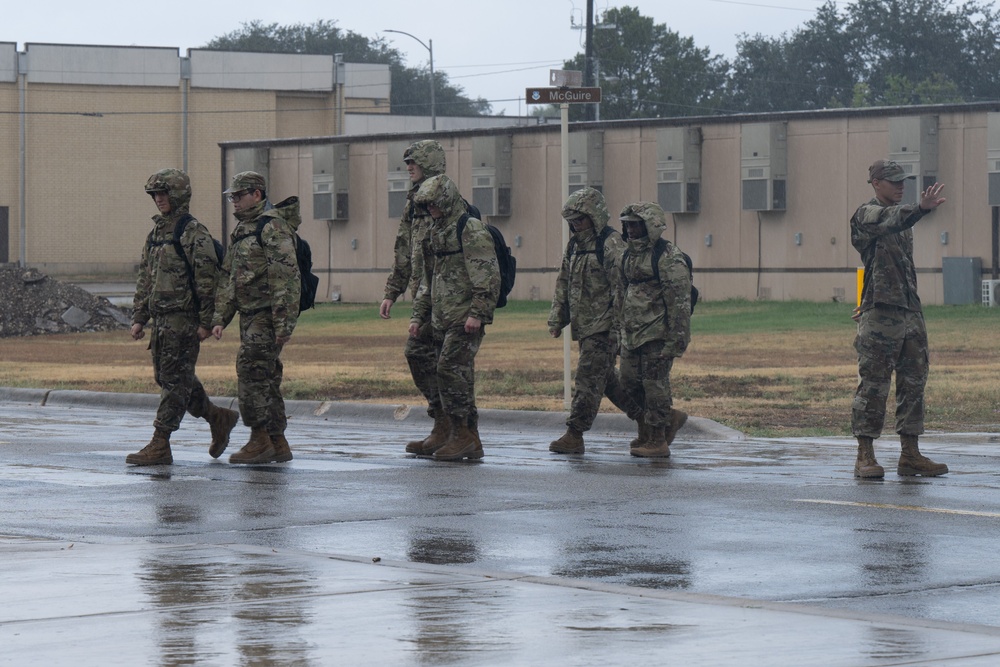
x: 991, y: 293
x: 491, y: 174
x: 764, y: 166
x: 678, y: 169
x: 330, y: 181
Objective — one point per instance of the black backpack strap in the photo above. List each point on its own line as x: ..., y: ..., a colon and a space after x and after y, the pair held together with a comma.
x: 255, y: 234
x: 179, y: 226
x: 461, y: 229
x: 598, y: 246
x: 601, y: 238
x: 659, y: 248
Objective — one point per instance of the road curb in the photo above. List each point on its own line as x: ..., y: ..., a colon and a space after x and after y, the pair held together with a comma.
x: 346, y: 412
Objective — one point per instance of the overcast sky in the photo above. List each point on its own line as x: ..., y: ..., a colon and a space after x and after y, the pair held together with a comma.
x: 493, y: 49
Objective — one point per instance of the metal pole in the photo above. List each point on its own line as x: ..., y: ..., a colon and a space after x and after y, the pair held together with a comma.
x: 22, y: 70
x: 185, y: 79
x: 597, y: 77
x: 430, y: 51
x: 588, y: 61
x: 564, y: 158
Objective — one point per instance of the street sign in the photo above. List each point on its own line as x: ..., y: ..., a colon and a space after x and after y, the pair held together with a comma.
x: 562, y: 95
x: 565, y: 77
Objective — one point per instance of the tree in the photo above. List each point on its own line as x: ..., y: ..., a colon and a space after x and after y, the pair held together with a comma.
x: 914, y: 41
x: 646, y: 70
x: 411, y: 95
x: 319, y: 38
x: 814, y: 68
x: 875, y: 52
x: 410, y: 87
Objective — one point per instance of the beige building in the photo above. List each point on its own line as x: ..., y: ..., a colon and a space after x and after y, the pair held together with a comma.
x: 82, y: 128
x: 761, y: 202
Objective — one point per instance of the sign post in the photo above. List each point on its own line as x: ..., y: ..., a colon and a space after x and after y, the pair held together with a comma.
x: 566, y: 90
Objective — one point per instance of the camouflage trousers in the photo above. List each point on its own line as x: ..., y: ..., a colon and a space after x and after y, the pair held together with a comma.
x: 456, y: 371
x: 597, y: 377
x: 174, y: 346
x: 422, y: 356
x: 645, y: 374
x: 259, y: 372
x: 890, y: 340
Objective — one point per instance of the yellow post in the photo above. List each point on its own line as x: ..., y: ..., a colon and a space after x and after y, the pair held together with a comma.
x: 861, y: 282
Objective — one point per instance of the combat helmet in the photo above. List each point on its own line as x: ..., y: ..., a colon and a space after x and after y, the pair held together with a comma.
x: 175, y: 183
x: 428, y: 155
x: 439, y: 191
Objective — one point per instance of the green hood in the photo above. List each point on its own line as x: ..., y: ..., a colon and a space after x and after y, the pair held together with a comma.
x: 589, y: 202
x: 652, y: 215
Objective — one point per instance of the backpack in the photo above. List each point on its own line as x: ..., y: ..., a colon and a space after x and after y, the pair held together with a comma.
x: 658, y: 249
x: 179, y: 227
x: 599, y: 248
x: 505, y: 260
x: 308, y: 281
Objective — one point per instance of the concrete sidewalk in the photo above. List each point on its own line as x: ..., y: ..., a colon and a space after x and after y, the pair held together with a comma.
x: 354, y: 554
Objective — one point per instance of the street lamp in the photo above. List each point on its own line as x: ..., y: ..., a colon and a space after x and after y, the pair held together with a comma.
x: 430, y: 50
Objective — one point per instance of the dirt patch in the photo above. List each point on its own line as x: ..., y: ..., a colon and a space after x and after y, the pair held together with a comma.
x: 33, y: 303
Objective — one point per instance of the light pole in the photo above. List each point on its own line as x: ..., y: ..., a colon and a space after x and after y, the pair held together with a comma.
x: 430, y: 50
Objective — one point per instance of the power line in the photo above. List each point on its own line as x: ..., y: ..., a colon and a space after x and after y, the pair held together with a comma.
x: 757, y: 4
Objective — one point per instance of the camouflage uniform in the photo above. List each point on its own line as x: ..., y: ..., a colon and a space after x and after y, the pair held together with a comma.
x: 656, y: 316
x: 891, y: 332
x: 163, y: 294
x: 410, y: 257
x: 463, y: 281
x: 585, y: 296
x: 260, y: 281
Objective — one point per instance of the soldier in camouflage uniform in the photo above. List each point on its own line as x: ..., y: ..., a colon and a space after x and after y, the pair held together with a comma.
x: 891, y: 332
x: 424, y: 159
x: 585, y: 299
x: 457, y: 297
x: 180, y: 304
x: 656, y: 325
x: 261, y: 282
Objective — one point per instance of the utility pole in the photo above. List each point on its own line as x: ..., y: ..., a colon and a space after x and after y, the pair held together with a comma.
x: 588, y: 58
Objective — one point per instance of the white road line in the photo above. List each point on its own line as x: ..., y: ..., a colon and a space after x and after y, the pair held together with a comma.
x: 910, y: 508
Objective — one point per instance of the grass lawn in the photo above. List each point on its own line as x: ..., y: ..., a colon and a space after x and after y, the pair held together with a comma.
x: 766, y: 368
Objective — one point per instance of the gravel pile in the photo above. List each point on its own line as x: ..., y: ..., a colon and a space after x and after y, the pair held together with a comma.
x: 33, y: 303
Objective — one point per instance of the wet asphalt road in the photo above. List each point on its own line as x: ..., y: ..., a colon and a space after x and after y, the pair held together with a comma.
x: 908, y: 564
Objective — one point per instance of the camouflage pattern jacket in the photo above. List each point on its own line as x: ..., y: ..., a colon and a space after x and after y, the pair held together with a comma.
x: 262, y: 275
x: 462, y: 281
x: 163, y: 285
x: 587, y: 290
x: 884, y: 237
x: 655, y: 310
x: 414, y: 225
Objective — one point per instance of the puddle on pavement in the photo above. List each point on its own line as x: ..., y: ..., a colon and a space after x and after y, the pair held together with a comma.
x: 65, y: 476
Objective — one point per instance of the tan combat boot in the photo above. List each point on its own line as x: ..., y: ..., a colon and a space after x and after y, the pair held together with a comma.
x: 474, y: 429
x: 866, y: 467
x: 642, y: 439
x: 282, y: 451
x: 157, y: 452
x: 222, y: 422
x: 912, y: 462
x: 461, y: 444
x: 259, y: 449
x: 571, y: 442
x: 656, y: 448
x: 677, y: 419
x: 433, y: 442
